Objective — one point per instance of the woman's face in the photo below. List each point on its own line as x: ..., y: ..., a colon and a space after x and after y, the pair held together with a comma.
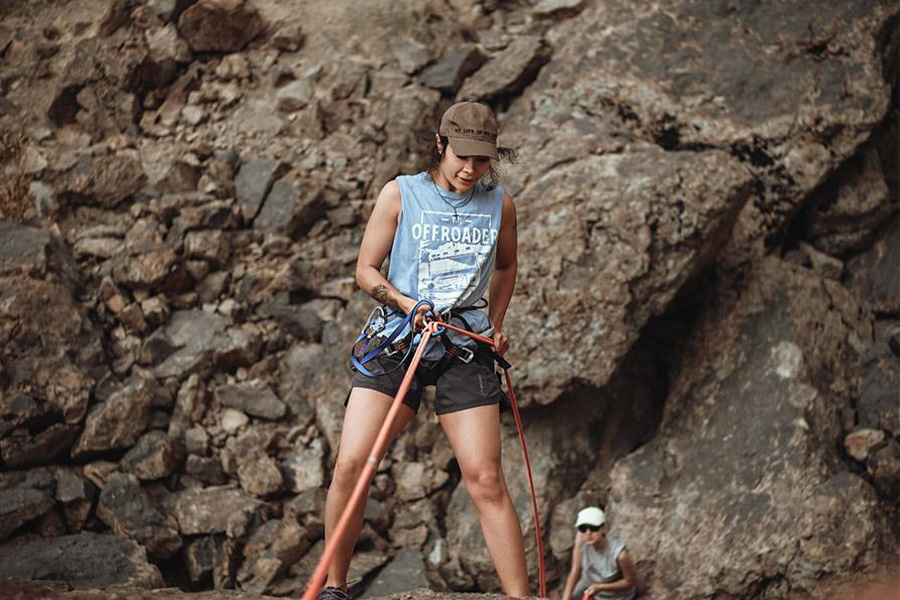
x: 593, y: 535
x: 460, y: 173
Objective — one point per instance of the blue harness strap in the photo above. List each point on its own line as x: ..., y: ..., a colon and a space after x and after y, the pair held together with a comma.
x: 370, y: 331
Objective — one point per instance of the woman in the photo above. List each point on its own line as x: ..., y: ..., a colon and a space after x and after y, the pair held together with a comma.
x: 452, y: 239
x: 601, y: 566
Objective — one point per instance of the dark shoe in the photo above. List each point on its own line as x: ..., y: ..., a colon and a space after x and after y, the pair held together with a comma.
x: 333, y: 593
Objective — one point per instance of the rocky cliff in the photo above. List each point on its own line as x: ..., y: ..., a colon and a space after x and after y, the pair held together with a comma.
x: 705, y: 331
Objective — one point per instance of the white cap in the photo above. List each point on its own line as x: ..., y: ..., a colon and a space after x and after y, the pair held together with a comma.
x: 591, y: 515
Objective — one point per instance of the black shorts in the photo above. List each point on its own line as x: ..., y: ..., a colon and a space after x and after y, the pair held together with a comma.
x: 458, y: 385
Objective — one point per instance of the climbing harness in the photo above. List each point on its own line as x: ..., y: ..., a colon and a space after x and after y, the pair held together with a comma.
x: 360, y: 355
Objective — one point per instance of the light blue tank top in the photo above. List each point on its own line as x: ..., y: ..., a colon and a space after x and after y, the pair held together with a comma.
x: 443, y: 255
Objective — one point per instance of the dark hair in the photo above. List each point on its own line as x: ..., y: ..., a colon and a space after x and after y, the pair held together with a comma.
x: 492, y: 177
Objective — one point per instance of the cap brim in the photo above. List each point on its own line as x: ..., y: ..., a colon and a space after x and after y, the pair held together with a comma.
x: 467, y: 147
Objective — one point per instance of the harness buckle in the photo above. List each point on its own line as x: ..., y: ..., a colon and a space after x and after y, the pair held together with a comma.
x: 465, y: 355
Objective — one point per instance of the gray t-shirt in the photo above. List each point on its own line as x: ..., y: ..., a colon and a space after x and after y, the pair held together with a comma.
x: 603, y: 567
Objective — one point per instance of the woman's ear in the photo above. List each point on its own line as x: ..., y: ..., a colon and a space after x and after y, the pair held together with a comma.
x: 437, y: 141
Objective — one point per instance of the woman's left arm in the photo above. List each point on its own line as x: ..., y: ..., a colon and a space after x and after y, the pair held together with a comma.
x: 503, y: 279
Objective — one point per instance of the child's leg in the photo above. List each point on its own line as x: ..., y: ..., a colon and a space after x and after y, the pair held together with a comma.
x: 474, y: 434
x: 366, y: 412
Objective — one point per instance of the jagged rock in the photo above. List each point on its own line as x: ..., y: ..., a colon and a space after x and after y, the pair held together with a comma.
x: 40, y: 449
x: 753, y: 478
x: 405, y: 572
x: 877, y: 407
x: 290, y: 208
x: 448, y: 74
x: 190, y: 406
x: 827, y: 266
x: 220, y: 25
x: 214, y: 510
x: 411, y: 53
x: 883, y: 464
x: 612, y: 268
x: 294, y: 96
x: 144, y: 269
x: 269, y: 551
x: 83, y: 561
x: 288, y: 38
x: 304, y: 467
x: 118, y: 422
x: 127, y: 509
x: 208, y: 244
x: 166, y: 52
x: 203, y: 341
x: 874, y: 276
x: 207, y: 470
x: 107, y: 179
x: 859, y: 442
x: 21, y: 504
x: 509, y: 71
x: 844, y: 216
x: 201, y: 557
x: 155, y: 455
x: 253, y: 397
x: 557, y: 9
x: 252, y: 183
x: 77, y: 497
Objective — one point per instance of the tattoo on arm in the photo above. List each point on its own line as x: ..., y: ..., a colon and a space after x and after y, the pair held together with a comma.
x: 380, y: 293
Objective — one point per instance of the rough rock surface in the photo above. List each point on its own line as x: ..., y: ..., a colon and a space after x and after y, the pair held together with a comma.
x: 705, y: 330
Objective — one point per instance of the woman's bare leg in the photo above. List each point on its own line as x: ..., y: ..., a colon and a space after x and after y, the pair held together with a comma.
x: 366, y: 412
x: 474, y: 434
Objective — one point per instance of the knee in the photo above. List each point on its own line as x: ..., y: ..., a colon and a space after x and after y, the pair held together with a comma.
x: 486, y: 485
x: 347, y: 470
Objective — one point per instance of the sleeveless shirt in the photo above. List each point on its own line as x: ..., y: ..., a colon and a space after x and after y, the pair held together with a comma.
x: 603, y: 567
x: 445, y: 255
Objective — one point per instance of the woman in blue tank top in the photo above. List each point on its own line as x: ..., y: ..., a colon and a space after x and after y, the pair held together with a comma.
x: 451, y: 237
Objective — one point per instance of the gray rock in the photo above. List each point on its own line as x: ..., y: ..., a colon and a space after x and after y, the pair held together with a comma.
x: 201, y: 556
x: 304, y: 467
x: 118, y: 422
x: 269, y: 551
x: 290, y: 208
x: 877, y: 407
x: 199, y: 336
x: 294, y: 96
x: 253, y: 181
x: 44, y: 198
x: 39, y: 449
x: 18, y: 505
x: 558, y: 8
x: 214, y: 510
x: 207, y: 470
x: 127, y: 509
x: 448, y: 74
x: 752, y: 478
x: 883, y: 465
x: 154, y: 456
x: 288, y: 38
x: 84, y: 561
x: 254, y: 397
x: 208, y: 244
x: 844, y: 215
x: 145, y: 269
x: 405, y: 572
x: 874, y: 276
x: 509, y: 71
x: 411, y: 53
x: 220, y: 25
x: 259, y: 475
x: 827, y: 266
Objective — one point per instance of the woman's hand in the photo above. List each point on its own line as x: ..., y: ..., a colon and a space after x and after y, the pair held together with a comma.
x: 421, y: 313
x: 594, y: 589
x: 501, y: 342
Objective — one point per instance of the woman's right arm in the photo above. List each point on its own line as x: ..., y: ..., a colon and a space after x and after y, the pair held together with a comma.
x: 376, y: 245
x: 575, y: 572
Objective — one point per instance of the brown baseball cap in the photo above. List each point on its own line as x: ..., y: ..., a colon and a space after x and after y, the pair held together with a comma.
x: 471, y: 129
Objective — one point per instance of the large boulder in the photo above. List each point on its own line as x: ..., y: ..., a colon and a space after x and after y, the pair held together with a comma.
x: 220, y: 25
x: 84, y: 561
x: 611, y: 229
x: 744, y: 476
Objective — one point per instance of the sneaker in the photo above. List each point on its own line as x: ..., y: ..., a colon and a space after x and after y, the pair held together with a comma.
x: 333, y: 593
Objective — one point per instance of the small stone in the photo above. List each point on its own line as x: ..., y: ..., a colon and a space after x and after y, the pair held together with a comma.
x: 294, y: 96
x: 861, y: 441
x: 232, y: 420
x: 194, y: 115
x: 288, y: 38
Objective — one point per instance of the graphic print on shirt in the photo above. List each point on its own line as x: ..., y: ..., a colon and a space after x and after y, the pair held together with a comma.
x: 452, y: 254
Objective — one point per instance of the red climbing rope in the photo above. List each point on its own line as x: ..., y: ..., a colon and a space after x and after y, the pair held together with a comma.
x: 317, y: 581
